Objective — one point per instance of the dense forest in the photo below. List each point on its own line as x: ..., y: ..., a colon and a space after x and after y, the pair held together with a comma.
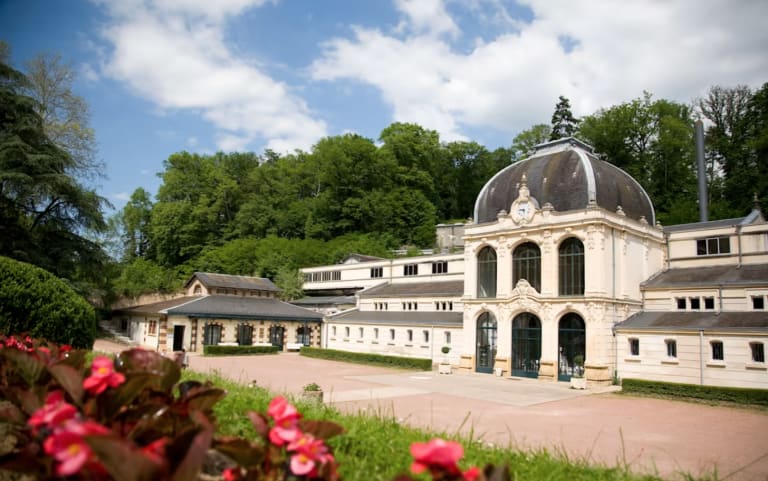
x: 269, y: 214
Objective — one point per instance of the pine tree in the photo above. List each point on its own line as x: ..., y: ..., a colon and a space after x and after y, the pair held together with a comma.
x: 564, y: 124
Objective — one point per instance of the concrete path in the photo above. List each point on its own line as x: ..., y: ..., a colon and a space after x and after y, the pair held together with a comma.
x: 648, y: 435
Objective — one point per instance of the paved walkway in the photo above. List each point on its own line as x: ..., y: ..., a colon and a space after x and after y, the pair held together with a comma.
x: 649, y: 435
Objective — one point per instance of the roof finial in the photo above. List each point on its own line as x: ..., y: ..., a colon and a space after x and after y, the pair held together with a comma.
x: 756, y: 202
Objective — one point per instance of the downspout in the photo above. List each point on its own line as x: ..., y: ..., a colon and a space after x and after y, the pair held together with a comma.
x: 613, y: 293
x: 738, y: 237
x: 666, y: 246
x: 701, y: 357
x: 720, y: 298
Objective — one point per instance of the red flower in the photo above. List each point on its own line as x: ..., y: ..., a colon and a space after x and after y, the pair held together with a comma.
x: 472, y: 473
x: 309, y: 453
x: 53, y: 414
x: 102, y: 375
x: 232, y: 474
x: 286, y: 418
x: 437, y: 455
x: 68, y: 447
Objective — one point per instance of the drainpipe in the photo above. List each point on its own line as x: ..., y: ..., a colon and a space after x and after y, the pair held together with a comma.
x: 738, y: 237
x: 720, y: 300
x: 701, y: 357
x: 666, y: 244
x: 613, y: 293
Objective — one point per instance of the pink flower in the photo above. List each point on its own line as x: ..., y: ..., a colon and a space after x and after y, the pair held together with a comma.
x: 68, y: 447
x: 232, y: 474
x: 53, y: 414
x: 286, y: 428
x: 437, y: 455
x: 309, y: 453
x: 102, y: 375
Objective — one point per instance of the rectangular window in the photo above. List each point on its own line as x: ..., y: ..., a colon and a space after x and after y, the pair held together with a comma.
x: 375, y: 332
x: 634, y: 347
x: 426, y: 336
x: 391, y: 334
x: 709, y: 303
x: 152, y: 327
x: 713, y: 246
x: 671, y: 347
x: 346, y: 332
x: 717, y: 351
x: 377, y: 272
x: 410, y: 335
x: 758, y: 351
x: 411, y: 270
x: 361, y: 332
x: 333, y: 331
x: 758, y: 302
x: 695, y: 303
x: 440, y: 267
x: 447, y: 337
x: 681, y: 303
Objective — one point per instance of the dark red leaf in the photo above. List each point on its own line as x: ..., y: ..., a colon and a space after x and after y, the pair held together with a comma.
x: 122, y: 460
x: 241, y: 451
x: 260, y: 423
x: 321, y: 429
x: 195, y: 455
x: 70, y: 379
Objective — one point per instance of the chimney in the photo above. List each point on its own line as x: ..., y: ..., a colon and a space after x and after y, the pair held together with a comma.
x: 703, y: 208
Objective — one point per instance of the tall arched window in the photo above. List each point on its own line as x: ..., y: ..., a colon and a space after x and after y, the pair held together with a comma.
x: 526, y: 264
x: 486, y: 272
x: 571, y: 267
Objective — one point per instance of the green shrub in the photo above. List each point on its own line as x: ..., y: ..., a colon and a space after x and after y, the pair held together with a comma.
x: 738, y: 395
x: 238, y: 350
x: 35, y: 301
x: 364, y: 358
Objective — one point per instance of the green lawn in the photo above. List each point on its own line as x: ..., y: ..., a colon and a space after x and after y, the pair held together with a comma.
x: 377, y: 447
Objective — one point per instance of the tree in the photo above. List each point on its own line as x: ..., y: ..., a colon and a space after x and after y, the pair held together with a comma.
x: 564, y: 124
x: 653, y: 141
x: 526, y: 141
x: 134, y: 221
x: 66, y: 117
x: 290, y: 282
x: 44, y: 211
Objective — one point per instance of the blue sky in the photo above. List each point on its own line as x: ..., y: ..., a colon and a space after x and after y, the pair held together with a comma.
x: 162, y: 76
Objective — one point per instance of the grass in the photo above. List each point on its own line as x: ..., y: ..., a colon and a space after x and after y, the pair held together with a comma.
x: 376, y: 447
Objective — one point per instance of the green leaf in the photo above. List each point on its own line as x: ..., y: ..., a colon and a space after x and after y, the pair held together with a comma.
x: 122, y: 460
x: 70, y: 379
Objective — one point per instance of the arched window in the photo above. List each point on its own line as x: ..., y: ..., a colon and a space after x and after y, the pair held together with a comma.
x: 571, y: 267
x: 526, y: 264
x: 486, y: 272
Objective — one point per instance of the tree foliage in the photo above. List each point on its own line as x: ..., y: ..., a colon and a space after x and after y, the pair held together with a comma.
x: 44, y: 210
x: 564, y: 124
x: 34, y: 301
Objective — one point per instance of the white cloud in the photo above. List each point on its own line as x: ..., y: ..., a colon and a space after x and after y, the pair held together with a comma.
x: 89, y: 73
x: 426, y: 16
x: 173, y: 53
x: 615, y: 51
x: 121, y: 196
x: 192, y: 141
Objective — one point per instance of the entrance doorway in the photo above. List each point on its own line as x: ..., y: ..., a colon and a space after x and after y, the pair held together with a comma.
x: 572, y: 346
x: 178, y: 338
x: 526, y: 345
x: 276, y: 336
x: 486, y: 342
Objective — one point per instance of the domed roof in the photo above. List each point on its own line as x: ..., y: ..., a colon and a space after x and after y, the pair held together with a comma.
x: 566, y: 174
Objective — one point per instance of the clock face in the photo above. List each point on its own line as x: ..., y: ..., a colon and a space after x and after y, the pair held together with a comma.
x: 523, y: 208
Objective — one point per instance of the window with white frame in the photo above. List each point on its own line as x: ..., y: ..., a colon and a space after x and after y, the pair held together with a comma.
x: 377, y: 272
x: 671, y: 347
x: 758, y: 351
x: 758, y: 302
x: 425, y: 335
x: 346, y: 332
x: 718, y: 353
x: 681, y: 303
x: 440, y: 267
x: 634, y: 346
x: 333, y: 331
x: 375, y: 332
x: 361, y: 332
x: 709, y: 303
x: 447, y: 337
x: 391, y: 334
x: 713, y: 246
x: 411, y: 270
x: 695, y: 303
x: 410, y: 335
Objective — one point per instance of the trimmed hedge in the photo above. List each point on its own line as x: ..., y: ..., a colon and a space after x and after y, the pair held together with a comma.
x: 36, y: 302
x: 364, y: 358
x: 738, y: 395
x: 238, y: 350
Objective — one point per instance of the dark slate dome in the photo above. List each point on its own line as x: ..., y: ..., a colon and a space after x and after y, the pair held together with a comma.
x: 566, y: 174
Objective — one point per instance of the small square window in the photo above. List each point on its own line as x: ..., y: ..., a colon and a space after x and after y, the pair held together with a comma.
x: 681, y: 304
x: 758, y: 351
x: 411, y: 270
x: 634, y: 346
x: 709, y: 303
x: 717, y: 351
x: 758, y: 302
x: 695, y: 303
x: 671, y: 347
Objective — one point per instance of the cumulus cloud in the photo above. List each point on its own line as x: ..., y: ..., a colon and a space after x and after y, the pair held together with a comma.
x: 596, y: 53
x: 173, y: 53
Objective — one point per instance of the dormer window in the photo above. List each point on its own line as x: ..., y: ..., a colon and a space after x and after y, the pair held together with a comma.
x: 713, y: 246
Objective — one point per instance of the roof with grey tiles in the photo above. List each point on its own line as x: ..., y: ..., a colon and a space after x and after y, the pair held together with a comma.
x: 156, y: 307
x: 324, y: 300
x: 234, y: 307
x: 416, y: 289
x: 695, y: 321
x: 412, y: 318
x: 748, y: 274
x: 210, y: 279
